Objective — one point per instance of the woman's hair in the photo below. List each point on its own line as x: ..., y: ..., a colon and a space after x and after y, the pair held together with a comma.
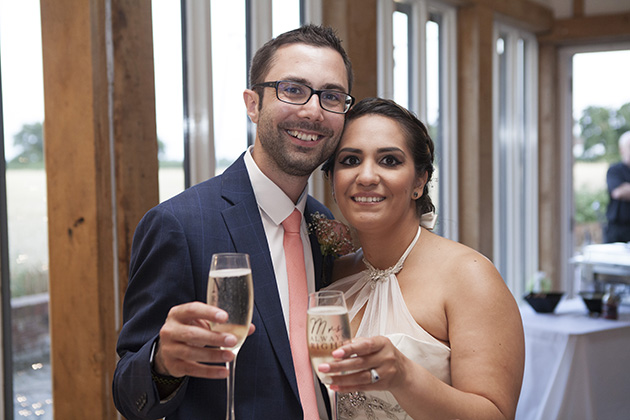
x: 314, y: 35
x: 421, y: 146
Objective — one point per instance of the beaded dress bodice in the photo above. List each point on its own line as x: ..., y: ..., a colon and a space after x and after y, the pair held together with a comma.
x: 387, y: 314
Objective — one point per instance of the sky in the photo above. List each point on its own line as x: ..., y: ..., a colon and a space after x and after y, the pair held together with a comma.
x: 599, y: 78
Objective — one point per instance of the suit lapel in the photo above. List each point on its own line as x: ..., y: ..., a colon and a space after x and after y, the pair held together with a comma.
x: 248, y: 235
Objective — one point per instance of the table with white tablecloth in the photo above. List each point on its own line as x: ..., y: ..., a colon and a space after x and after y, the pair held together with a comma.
x: 577, y: 367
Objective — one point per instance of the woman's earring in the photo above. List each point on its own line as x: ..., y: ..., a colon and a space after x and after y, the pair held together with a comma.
x: 415, y: 194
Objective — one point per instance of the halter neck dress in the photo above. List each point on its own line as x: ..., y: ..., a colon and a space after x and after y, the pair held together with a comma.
x: 387, y: 314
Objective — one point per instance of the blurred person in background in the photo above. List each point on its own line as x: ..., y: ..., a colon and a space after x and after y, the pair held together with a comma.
x: 618, y: 180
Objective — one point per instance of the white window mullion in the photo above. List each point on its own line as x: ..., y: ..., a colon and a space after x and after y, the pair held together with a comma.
x: 515, y: 191
x: 199, y: 122
x: 449, y: 126
x: 418, y: 56
x: 385, y: 49
x: 260, y: 24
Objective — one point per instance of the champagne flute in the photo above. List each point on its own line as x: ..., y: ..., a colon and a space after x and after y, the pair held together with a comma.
x: 328, y: 327
x: 230, y: 288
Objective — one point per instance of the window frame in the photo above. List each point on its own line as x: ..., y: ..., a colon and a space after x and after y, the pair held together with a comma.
x: 6, y: 352
x: 567, y: 272
x: 515, y: 239
x: 421, y: 13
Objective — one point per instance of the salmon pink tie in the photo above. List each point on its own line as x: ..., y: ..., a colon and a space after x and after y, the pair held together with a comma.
x: 298, y: 300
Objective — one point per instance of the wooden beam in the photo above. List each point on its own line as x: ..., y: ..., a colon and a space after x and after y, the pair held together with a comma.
x: 527, y: 14
x: 475, y: 48
x: 95, y: 196
x: 134, y: 123
x: 591, y: 29
x: 355, y: 23
x: 549, y: 155
x: 578, y: 8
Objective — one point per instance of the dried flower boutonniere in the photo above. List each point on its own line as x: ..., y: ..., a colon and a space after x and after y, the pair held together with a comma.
x: 334, y: 237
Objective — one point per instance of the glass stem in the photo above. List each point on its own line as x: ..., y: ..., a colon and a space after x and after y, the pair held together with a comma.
x: 229, y: 412
x: 332, y: 396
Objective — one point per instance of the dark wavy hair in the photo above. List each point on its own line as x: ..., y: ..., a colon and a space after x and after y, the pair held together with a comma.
x: 314, y: 35
x: 418, y: 140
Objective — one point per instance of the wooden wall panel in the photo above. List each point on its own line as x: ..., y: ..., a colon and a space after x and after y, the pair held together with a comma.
x: 95, y: 197
x: 589, y: 30
x: 550, y: 148
x: 134, y: 123
x: 474, y: 79
x: 355, y: 23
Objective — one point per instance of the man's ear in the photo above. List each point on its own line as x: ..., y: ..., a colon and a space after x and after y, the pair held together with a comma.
x: 251, y: 99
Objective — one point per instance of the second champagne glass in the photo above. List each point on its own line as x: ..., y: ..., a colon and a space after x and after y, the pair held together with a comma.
x: 328, y: 327
x: 230, y: 288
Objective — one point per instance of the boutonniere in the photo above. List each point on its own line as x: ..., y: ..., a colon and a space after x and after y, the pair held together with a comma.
x: 334, y: 237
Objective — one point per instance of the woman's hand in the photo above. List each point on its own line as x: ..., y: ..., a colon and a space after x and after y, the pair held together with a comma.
x: 366, y: 364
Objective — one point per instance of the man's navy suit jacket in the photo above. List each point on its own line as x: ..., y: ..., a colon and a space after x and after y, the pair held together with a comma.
x: 170, y: 260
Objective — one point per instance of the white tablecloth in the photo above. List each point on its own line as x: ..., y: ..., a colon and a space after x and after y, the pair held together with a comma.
x: 576, y: 367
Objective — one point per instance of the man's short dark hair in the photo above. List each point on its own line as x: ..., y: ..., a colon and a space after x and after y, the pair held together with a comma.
x: 317, y: 36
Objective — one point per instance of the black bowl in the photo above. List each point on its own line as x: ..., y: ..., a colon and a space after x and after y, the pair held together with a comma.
x: 545, y: 302
x: 593, y: 301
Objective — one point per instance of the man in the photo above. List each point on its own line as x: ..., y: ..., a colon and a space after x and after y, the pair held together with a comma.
x: 618, y: 180
x: 169, y: 361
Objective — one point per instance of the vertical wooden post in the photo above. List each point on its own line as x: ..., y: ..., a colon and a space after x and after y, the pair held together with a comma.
x: 101, y: 164
x: 550, y: 151
x: 355, y: 23
x: 474, y: 78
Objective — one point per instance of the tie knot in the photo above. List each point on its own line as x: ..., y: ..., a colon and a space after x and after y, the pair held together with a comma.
x: 292, y: 223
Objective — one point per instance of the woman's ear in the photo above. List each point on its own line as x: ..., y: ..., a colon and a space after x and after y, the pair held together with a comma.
x: 251, y: 99
x: 419, y: 188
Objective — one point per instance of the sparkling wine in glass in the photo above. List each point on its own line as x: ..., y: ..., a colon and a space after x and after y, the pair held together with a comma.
x: 230, y: 288
x: 328, y: 327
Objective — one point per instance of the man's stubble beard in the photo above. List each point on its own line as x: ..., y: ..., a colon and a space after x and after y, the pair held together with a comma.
x: 295, y: 163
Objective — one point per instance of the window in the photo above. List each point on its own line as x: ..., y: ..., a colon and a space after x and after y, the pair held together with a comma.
x: 26, y: 369
x: 592, y: 82
x: 167, y: 57
x: 515, y: 157
x: 416, y: 55
x: 219, y: 42
x: 193, y: 75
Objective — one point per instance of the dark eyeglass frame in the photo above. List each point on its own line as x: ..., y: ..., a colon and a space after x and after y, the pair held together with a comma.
x: 349, y: 98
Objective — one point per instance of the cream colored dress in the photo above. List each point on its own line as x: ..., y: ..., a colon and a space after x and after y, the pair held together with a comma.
x: 387, y: 314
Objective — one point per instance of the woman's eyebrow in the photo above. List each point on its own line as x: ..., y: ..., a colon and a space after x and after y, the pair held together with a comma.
x: 350, y: 150
x: 390, y: 149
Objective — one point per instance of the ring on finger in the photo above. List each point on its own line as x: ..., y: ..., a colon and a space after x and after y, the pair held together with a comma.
x: 375, y: 375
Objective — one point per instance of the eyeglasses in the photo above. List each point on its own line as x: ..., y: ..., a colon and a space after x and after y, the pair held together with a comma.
x: 299, y: 94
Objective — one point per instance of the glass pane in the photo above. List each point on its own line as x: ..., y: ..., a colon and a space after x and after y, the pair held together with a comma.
x: 23, y: 105
x: 433, y: 92
x: 169, y: 111
x: 285, y: 16
x: 501, y: 257
x: 601, y: 113
x: 401, y: 58
x: 229, y: 80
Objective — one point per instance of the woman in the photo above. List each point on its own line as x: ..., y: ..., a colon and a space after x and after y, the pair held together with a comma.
x: 438, y: 333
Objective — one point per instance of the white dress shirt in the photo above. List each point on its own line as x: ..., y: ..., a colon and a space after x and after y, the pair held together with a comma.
x: 275, y: 206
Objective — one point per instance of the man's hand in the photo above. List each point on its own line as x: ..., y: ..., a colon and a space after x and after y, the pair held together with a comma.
x: 622, y: 192
x: 187, y: 343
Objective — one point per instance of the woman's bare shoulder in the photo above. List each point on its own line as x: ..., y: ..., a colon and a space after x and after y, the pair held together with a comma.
x: 460, y: 263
